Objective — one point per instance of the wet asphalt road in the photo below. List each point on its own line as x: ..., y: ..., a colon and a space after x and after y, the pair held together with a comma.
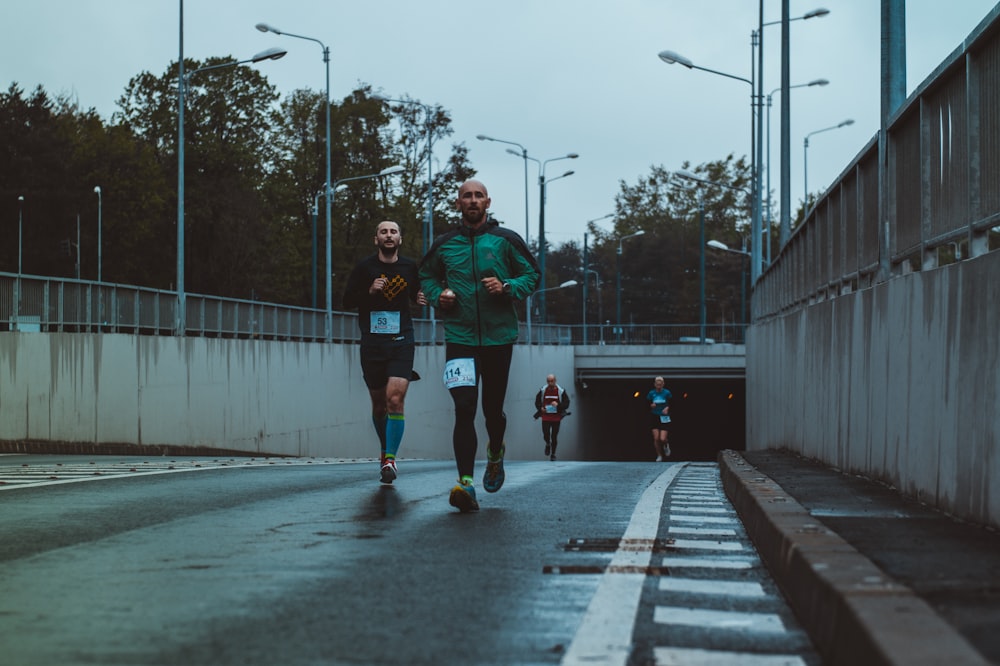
x: 315, y: 562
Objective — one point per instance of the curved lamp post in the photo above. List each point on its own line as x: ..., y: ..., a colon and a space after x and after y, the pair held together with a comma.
x: 701, y: 244
x: 757, y: 40
x: 564, y: 285
x: 388, y: 171
x: 718, y: 245
x: 782, y: 234
x: 671, y: 57
x: 182, y: 83
x: 586, y: 268
x: 524, y: 155
x: 264, y: 27
x: 805, y: 158
x: 542, y: 249
x: 618, y: 282
x: 429, y: 210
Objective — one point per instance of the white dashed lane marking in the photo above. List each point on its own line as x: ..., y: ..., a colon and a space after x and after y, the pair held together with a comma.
x: 14, y: 476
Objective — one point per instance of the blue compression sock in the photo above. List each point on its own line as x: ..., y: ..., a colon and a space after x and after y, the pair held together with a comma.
x: 393, y: 434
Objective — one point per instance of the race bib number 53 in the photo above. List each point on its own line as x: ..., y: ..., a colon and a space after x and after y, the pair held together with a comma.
x: 459, y: 372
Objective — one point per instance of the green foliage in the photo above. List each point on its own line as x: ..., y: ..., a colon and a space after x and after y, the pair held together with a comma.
x: 659, y: 269
x: 255, y: 210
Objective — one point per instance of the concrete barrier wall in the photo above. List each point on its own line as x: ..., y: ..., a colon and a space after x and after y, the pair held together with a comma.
x: 289, y: 398
x: 900, y: 382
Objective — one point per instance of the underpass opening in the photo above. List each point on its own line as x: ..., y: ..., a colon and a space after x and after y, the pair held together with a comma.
x: 707, y: 415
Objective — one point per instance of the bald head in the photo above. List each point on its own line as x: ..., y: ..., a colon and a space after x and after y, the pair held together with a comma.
x: 473, y: 201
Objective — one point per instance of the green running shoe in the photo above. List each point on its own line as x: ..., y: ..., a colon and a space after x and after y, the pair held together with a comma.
x: 494, y: 476
x: 463, y: 497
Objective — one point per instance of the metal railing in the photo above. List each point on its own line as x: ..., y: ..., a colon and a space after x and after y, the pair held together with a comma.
x: 941, y: 201
x: 45, y: 304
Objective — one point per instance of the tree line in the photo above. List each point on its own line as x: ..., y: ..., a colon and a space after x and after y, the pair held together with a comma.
x: 254, y: 181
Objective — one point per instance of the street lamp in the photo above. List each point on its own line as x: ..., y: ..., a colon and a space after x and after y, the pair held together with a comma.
x: 618, y: 280
x: 319, y: 194
x: 805, y: 158
x: 388, y: 171
x: 523, y: 154
x: 600, y: 304
x: 718, y: 245
x: 783, y: 238
x: 429, y: 211
x: 541, y: 215
x: 586, y: 267
x: 17, y: 296
x: 264, y: 27
x: 701, y: 244
x: 564, y: 285
x: 670, y: 58
x: 97, y: 191
x: 759, y: 33
x: 182, y: 83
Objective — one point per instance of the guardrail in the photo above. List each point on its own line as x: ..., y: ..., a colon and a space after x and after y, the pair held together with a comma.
x: 939, y: 201
x: 35, y: 303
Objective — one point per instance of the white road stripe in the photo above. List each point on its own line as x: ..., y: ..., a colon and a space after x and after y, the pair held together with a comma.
x: 705, y: 544
x: 709, y: 563
x: 702, y: 531
x: 733, y: 588
x: 717, y: 619
x: 690, y: 518
x: 605, y: 634
x: 696, y: 657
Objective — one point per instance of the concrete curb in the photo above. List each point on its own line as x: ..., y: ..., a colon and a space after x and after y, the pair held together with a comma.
x: 852, y: 611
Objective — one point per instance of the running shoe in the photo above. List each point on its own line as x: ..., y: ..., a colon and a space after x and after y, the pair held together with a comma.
x: 463, y: 497
x: 494, y: 476
x: 552, y: 457
x: 666, y: 454
x: 548, y: 449
x: 388, y: 471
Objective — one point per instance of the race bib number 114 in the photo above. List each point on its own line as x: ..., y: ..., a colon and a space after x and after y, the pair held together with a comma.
x: 459, y: 372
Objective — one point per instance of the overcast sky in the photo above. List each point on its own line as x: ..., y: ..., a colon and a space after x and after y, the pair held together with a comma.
x: 556, y: 76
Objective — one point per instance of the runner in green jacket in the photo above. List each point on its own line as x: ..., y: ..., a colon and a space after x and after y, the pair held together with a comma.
x: 473, y: 274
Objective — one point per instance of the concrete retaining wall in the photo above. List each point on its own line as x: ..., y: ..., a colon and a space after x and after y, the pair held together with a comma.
x: 288, y: 398
x: 900, y: 382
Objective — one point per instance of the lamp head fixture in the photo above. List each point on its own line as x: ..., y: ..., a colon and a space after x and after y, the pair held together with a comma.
x: 670, y: 57
x: 388, y: 171
x: 97, y: 190
x: 819, y: 82
x: 263, y: 27
x: 849, y: 121
x: 273, y: 53
x: 816, y: 13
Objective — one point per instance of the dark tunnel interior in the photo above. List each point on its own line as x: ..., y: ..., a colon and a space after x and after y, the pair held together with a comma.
x: 708, y: 415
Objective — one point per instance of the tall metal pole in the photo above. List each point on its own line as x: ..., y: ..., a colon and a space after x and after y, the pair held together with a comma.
x: 17, y: 296
x: 180, y: 323
x: 786, y: 134
x: 328, y: 319
x: 585, y: 269
x: 618, y: 292
x: 758, y: 105
x: 541, y: 240
x: 701, y: 268
x: 97, y: 189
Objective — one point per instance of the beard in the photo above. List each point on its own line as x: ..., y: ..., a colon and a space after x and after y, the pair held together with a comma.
x: 474, y: 217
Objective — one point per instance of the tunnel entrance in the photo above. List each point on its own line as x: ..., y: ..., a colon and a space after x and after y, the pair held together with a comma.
x: 708, y: 415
